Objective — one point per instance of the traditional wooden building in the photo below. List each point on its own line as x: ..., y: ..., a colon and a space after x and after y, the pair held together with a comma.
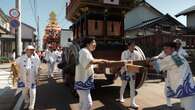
x: 52, y: 32
x: 190, y: 13
x: 150, y: 28
x: 144, y: 20
x: 7, y: 35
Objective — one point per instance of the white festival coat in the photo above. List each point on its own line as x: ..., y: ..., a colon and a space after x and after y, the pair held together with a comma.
x: 179, y: 76
x: 28, y: 70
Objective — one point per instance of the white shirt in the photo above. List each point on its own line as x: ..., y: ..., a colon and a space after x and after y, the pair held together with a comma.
x: 83, y: 69
x: 28, y: 69
x: 127, y: 55
x: 28, y: 64
x: 50, y: 56
x: 179, y: 78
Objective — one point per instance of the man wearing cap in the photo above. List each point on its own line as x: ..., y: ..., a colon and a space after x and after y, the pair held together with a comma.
x: 180, y: 83
x: 28, y: 75
x: 181, y: 52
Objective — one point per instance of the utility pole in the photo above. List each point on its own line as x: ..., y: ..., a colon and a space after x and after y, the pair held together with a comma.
x: 38, y: 35
x: 18, y: 31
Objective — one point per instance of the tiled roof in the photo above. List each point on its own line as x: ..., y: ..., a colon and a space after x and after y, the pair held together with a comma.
x: 186, y: 11
x: 3, y: 15
x: 154, y: 21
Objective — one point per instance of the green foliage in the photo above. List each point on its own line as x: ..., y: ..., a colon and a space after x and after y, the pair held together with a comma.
x: 4, y: 59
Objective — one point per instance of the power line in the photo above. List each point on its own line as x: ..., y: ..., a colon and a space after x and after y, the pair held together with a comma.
x: 36, y: 18
x: 62, y: 13
x: 33, y: 11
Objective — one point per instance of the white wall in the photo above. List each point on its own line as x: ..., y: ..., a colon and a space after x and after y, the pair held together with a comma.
x: 65, y: 35
x: 191, y: 21
x: 138, y: 15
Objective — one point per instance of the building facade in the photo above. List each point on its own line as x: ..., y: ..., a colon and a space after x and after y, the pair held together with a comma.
x: 7, y: 35
x: 144, y: 20
x: 66, y: 35
x: 190, y: 13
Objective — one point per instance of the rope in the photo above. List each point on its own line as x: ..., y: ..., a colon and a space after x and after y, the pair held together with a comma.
x: 140, y: 52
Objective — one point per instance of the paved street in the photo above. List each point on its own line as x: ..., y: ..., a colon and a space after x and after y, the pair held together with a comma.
x: 156, y: 36
x: 7, y: 92
x: 4, y: 76
x: 53, y: 95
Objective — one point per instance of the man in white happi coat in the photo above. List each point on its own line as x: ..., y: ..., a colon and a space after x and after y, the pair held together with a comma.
x: 129, y: 54
x: 84, y: 74
x: 58, y: 54
x: 50, y: 57
x: 181, y: 52
x: 180, y: 83
x: 28, y: 75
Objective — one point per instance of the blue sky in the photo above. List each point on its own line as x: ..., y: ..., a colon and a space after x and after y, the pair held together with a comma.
x: 46, y: 6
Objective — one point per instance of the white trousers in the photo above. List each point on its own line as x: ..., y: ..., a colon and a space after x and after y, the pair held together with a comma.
x: 168, y: 100
x: 56, y: 69
x: 29, y: 97
x: 51, y: 68
x: 132, y: 89
x: 188, y: 103
x: 85, y: 99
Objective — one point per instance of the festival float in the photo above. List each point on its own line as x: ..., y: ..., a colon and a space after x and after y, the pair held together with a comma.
x: 52, y: 32
x: 104, y: 21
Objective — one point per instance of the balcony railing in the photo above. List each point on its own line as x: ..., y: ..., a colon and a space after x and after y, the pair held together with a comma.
x: 73, y: 5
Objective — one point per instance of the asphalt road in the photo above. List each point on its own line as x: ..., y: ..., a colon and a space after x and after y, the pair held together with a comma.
x: 52, y: 94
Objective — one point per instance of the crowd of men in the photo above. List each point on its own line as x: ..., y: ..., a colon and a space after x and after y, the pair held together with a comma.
x: 171, y: 61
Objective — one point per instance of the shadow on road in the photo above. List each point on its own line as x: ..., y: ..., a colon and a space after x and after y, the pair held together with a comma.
x: 164, y: 107
x: 53, y: 95
x: 107, y: 94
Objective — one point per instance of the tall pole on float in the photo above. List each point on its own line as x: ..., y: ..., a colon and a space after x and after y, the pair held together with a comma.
x: 18, y: 30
